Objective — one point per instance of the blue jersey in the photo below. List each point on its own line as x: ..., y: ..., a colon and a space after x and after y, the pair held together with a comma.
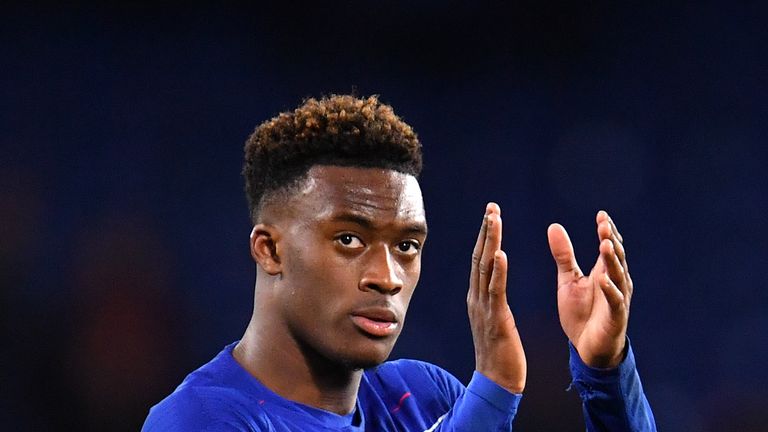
x: 401, y: 395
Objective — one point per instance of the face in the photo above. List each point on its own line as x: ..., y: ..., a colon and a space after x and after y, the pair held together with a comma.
x: 350, y: 256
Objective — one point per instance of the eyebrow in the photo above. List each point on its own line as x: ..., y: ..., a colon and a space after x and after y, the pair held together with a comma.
x: 367, y: 223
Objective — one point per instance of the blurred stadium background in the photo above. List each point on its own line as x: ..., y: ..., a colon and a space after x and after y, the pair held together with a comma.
x: 123, y: 227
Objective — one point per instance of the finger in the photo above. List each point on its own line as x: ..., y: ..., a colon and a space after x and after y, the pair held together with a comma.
x: 620, y: 251
x: 613, y: 267
x: 562, y: 251
x: 604, y: 233
x: 618, y: 244
x: 607, y: 229
x: 477, y: 254
x: 614, y: 228
x: 492, y: 244
x: 613, y: 295
x: 497, y: 288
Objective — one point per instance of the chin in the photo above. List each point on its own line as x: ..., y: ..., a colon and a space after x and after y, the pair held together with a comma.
x: 368, y: 357
x: 361, y: 364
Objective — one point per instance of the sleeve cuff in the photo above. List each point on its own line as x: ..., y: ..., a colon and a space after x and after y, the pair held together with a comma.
x: 496, y: 395
x: 590, y: 377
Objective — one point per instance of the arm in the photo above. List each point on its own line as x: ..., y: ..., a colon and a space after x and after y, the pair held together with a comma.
x: 612, y: 399
x: 482, y: 406
x: 491, y: 399
x: 594, y: 312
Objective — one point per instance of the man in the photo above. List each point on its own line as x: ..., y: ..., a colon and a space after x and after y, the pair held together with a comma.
x: 339, y: 227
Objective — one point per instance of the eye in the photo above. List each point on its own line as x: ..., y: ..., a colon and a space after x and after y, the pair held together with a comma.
x: 408, y: 247
x: 350, y: 241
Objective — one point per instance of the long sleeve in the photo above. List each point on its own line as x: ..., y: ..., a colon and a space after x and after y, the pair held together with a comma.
x: 483, y: 406
x: 612, y: 399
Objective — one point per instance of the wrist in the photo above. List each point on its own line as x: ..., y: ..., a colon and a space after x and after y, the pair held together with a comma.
x: 511, y: 384
x: 600, y: 360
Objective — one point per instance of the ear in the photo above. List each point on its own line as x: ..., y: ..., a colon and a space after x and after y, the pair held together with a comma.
x: 264, y: 248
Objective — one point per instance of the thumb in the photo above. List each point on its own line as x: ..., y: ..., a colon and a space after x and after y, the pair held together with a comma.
x: 562, y: 250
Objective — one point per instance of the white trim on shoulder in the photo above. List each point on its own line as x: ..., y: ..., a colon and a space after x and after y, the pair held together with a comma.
x: 437, y: 423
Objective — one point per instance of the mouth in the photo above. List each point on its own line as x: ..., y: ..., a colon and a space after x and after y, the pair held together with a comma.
x: 377, y: 322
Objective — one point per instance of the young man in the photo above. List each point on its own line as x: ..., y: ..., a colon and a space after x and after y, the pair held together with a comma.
x: 339, y: 226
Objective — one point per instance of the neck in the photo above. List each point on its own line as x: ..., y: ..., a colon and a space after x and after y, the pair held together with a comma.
x: 269, y: 353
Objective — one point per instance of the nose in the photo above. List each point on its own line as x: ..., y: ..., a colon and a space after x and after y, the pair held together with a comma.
x: 381, y: 272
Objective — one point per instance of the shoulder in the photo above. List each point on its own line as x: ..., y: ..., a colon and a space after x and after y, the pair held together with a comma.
x: 415, y: 374
x: 411, y: 369
x: 205, y: 408
x: 409, y: 393
x: 217, y: 396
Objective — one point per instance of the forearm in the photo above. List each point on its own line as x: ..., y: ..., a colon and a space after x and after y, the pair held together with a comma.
x: 612, y: 399
x: 484, y: 406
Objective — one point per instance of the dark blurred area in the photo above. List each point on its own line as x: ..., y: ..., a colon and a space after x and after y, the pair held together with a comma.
x: 124, y: 262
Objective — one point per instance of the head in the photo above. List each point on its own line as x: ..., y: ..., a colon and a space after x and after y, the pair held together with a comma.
x: 338, y: 226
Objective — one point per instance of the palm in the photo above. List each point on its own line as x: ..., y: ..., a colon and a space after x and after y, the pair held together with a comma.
x: 585, y: 314
x: 594, y: 309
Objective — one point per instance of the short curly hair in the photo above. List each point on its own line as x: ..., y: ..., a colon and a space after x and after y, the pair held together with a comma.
x: 340, y: 130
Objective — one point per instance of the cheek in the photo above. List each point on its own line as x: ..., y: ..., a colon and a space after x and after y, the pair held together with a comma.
x: 412, y: 272
x: 321, y: 278
x: 307, y: 260
x: 411, y: 278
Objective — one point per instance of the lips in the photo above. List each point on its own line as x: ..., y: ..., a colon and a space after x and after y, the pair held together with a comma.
x: 376, y: 321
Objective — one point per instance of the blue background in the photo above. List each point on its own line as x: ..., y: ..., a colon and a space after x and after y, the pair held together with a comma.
x: 124, y: 232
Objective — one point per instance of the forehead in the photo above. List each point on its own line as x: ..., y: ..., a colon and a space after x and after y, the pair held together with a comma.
x: 380, y: 195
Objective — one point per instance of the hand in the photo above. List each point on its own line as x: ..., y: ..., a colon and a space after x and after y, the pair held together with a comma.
x: 594, y: 309
x: 498, y: 350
